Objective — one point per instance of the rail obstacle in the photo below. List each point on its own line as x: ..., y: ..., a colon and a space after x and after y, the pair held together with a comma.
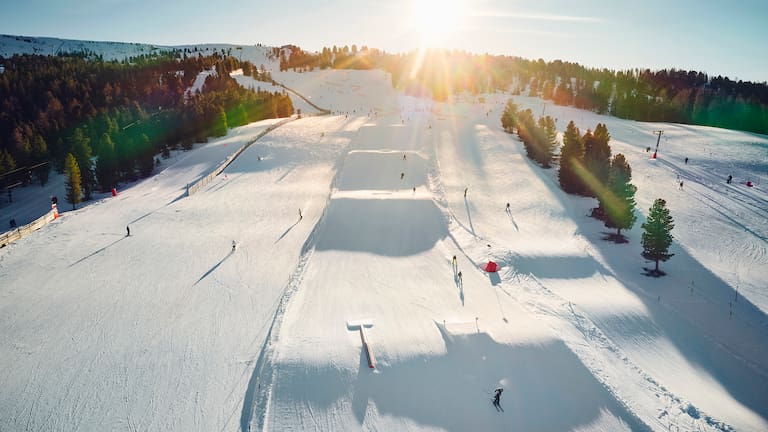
x: 361, y: 325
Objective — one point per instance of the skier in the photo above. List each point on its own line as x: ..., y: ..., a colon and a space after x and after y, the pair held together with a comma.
x: 402, y: 175
x: 453, y: 261
x: 404, y: 158
x: 497, y: 397
x: 300, y: 215
x: 127, y: 231
x: 681, y: 185
x: 465, y: 192
x: 686, y: 161
x: 461, y: 281
x: 234, y: 246
x: 414, y: 189
x: 508, y: 210
x: 730, y: 177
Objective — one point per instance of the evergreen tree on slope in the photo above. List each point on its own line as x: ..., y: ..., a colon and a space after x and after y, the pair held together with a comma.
x: 571, y: 158
x: 619, y: 205
x: 657, y: 237
x: 73, y: 180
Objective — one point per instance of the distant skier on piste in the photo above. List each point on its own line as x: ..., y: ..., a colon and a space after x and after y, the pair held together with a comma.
x: 497, y: 398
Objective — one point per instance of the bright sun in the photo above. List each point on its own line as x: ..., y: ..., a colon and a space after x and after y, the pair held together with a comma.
x: 436, y: 20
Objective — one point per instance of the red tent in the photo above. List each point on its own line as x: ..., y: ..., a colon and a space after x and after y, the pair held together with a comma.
x: 491, y: 267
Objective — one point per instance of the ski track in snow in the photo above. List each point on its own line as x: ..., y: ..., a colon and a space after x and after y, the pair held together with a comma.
x: 257, y: 400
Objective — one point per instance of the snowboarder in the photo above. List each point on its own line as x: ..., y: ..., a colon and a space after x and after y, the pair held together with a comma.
x: 730, y: 177
x: 497, y: 397
x: 127, y: 231
x: 300, y: 215
x: 234, y: 246
x: 465, y: 192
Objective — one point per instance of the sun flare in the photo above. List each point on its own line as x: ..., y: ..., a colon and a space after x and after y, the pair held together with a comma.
x: 436, y: 20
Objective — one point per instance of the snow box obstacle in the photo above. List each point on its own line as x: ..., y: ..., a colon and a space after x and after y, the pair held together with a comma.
x: 361, y: 325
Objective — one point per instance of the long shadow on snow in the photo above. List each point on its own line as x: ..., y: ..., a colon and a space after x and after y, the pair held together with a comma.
x: 97, y: 251
x: 547, y: 388
x: 212, y: 269
x: 710, y: 350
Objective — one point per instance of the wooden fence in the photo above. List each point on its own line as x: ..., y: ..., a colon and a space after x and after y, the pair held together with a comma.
x: 192, y: 188
x: 21, y: 232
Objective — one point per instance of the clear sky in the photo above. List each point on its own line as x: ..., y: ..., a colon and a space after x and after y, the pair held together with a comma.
x: 728, y: 38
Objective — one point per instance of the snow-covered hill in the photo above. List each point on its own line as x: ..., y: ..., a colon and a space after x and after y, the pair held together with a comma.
x: 170, y: 329
x: 10, y: 45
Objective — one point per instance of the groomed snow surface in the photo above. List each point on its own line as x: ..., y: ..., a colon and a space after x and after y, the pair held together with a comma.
x: 172, y: 329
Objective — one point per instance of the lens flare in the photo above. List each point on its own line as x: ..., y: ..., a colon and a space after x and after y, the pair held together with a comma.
x: 436, y: 20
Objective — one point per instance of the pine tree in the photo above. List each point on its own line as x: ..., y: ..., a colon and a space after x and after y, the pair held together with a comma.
x: 548, y: 140
x: 619, y: 206
x: 601, y: 154
x: 597, y: 157
x: 526, y: 131
x: 571, y: 156
x: 80, y: 146
x: 657, y: 238
x: 509, y: 117
x: 106, y: 165
x: 72, y: 171
x: 7, y: 163
x: 220, y: 124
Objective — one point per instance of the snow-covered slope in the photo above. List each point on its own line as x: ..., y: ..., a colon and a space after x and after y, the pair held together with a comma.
x: 10, y: 45
x: 169, y: 329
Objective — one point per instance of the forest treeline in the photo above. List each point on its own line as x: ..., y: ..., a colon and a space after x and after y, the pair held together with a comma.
x: 116, y: 117
x: 668, y: 95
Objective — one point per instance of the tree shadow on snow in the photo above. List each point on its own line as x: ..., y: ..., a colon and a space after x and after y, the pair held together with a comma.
x: 704, y: 334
